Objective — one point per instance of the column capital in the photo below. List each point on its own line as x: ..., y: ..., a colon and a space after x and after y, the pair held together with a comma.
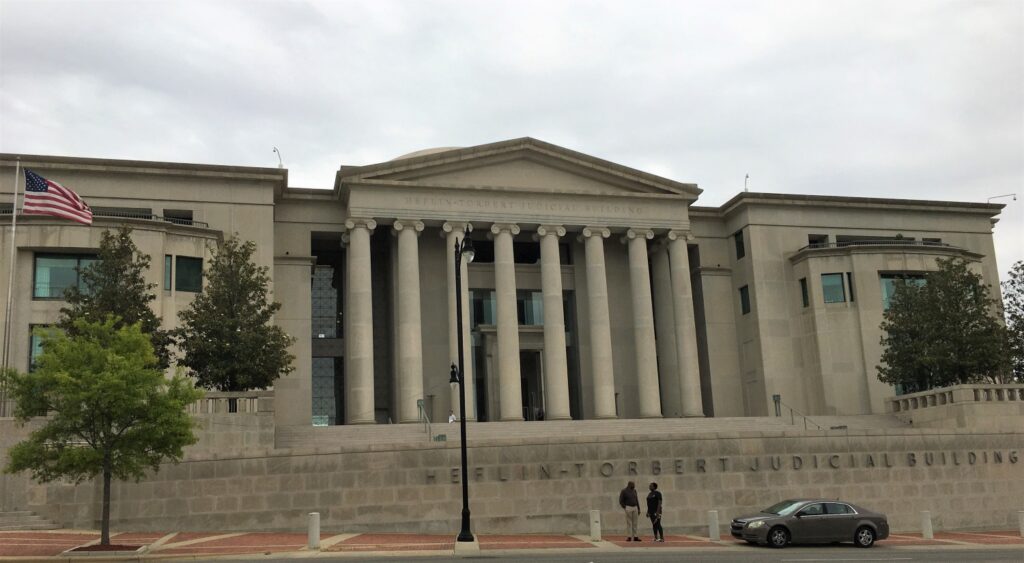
x: 638, y: 233
x: 456, y: 227
x: 679, y: 235
x: 413, y: 225
x: 603, y: 232
x: 545, y: 230
x: 357, y: 222
x: 511, y: 228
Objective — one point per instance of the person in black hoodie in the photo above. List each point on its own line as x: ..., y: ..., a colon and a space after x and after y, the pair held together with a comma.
x: 654, y: 512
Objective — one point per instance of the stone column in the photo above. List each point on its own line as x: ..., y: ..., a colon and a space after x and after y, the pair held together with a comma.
x: 686, y: 328
x: 602, y: 376
x: 556, y: 368
x: 410, y: 335
x: 665, y: 329
x: 510, y: 391
x: 453, y: 232
x: 643, y: 323
x: 359, y: 405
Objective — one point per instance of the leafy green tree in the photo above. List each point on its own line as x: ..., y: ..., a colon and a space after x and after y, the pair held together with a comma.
x: 944, y: 332
x: 115, y: 284
x: 226, y: 336
x: 111, y: 411
x: 1013, y: 307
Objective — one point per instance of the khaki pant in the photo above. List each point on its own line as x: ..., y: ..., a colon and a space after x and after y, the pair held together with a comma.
x: 632, y: 513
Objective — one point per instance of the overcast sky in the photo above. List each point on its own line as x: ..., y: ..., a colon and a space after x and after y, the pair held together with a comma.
x: 891, y: 98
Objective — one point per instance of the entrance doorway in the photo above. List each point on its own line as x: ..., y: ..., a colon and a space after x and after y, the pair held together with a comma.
x: 532, y: 379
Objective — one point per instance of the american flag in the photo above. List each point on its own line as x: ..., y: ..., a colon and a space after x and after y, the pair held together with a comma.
x: 46, y: 197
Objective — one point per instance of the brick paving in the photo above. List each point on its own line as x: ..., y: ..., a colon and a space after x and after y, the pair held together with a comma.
x: 27, y: 544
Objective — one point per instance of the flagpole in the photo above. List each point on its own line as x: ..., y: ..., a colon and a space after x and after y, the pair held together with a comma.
x: 8, y: 313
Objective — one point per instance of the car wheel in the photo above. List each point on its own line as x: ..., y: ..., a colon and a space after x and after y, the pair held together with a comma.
x: 778, y: 537
x: 865, y: 537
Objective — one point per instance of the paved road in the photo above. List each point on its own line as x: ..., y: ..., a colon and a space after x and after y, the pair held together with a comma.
x: 753, y: 555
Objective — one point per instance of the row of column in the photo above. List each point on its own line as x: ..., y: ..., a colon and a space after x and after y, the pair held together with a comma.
x: 680, y: 380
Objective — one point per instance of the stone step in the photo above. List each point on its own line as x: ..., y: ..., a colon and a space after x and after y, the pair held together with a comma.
x: 18, y: 527
x: 293, y: 437
x: 25, y: 520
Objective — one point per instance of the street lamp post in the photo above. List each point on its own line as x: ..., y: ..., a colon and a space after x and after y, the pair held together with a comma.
x: 463, y: 247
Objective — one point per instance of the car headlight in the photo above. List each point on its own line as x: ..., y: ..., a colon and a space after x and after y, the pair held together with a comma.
x: 755, y: 524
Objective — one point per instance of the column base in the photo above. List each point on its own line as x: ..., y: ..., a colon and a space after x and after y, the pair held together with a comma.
x: 547, y: 418
x: 652, y: 416
x: 362, y: 422
x: 607, y: 417
x: 520, y: 419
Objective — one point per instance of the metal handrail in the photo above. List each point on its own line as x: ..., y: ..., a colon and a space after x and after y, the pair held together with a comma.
x: 792, y: 417
x: 875, y: 242
x: 142, y: 216
x: 425, y: 419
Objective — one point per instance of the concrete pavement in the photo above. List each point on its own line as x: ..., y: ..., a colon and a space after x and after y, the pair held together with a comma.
x: 54, y: 545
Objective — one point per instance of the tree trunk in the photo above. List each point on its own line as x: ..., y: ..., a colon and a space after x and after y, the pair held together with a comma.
x: 105, y: 526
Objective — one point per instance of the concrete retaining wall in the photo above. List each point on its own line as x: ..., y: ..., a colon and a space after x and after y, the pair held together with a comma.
x: 967, y: 479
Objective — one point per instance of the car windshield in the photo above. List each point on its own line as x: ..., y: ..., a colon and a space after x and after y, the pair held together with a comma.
x: 783, y: 508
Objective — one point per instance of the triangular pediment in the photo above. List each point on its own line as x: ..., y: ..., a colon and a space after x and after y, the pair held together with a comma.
x: 525, y: 164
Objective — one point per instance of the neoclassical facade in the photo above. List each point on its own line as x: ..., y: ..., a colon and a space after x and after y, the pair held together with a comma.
x: 598, y: 291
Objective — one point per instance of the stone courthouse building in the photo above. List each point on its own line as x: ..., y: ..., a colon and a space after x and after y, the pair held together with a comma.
x: 598, y: 291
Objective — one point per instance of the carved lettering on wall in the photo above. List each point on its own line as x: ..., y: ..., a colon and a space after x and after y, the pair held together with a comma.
x: 680, y: 466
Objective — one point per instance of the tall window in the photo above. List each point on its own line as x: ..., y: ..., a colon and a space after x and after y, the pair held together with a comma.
x: 188, y: 273
x: 849, y: 285
x: 741, y: 249
x: 804, y: 293
x: 745, y: 299
x: 832, y: 288
x: 167, y: 272
x: 54, y: 273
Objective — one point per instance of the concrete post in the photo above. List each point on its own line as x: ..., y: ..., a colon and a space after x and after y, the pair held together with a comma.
x: 643, y: 323
x: 602, y: 376
x: 926, y: 525
x: 410, y: 337
x: 510, y: 392
x: 1020, y: 522
x: 686, y: 331
x: 595, y: 525
x: 713, y: 527
x: 313, y: 534
x: 556, y: 370
x: 453, y: 232
x: 359, y: 401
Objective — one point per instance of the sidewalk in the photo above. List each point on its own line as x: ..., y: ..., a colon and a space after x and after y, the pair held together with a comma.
x: 50, y: 545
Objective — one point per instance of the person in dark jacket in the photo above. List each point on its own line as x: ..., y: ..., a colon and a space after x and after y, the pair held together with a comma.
x: 631, y: 506
x: 654, y: 502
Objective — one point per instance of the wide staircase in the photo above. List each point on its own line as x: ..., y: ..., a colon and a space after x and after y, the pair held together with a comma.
x: 383, y: 435
x: 24, y: 520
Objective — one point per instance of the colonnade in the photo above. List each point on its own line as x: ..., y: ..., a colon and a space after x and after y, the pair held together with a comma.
x: 675, y: 352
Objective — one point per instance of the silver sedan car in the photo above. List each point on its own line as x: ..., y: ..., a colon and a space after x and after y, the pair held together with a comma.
x: 812, y: 521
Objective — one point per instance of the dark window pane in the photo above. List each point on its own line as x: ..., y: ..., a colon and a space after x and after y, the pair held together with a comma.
x: 832, y: 287
x: 188, y: 274
x: 167, y: 272
x: 741, y: 249
x: 803, y: 292
x: 849, y: 284
x: 745, y: 300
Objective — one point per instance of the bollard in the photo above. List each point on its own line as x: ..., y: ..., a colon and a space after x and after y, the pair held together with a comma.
x: 1020, y: 521
x: 313, y: 537
x: 595, y: 525
x: 713, y: 532
x: 926, y: 525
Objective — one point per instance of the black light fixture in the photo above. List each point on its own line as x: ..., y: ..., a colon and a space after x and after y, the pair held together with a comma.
x: 463, y: 248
